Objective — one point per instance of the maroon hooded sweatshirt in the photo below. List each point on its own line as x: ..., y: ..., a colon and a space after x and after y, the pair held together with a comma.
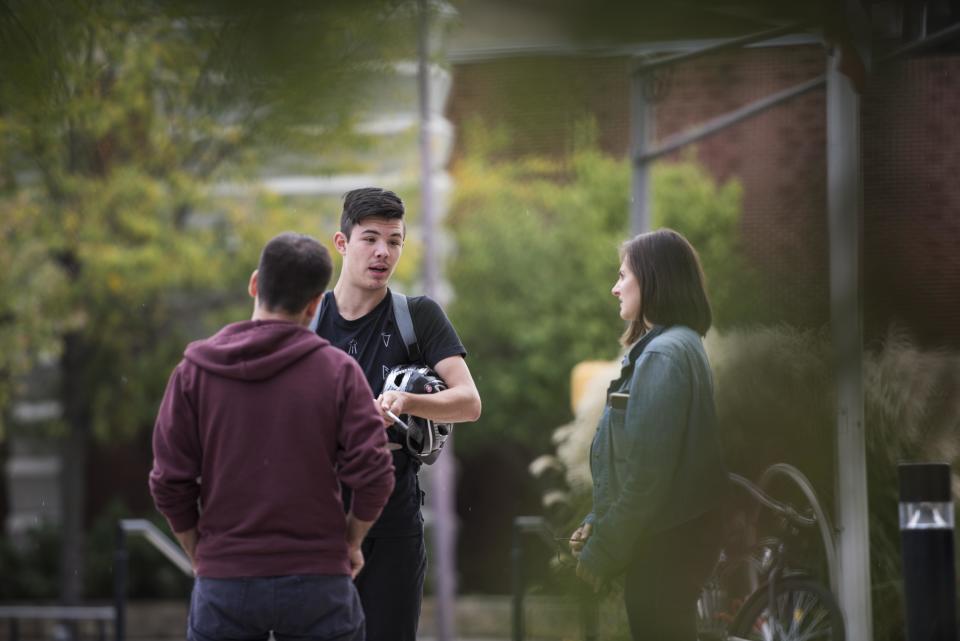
x: 259, y: 425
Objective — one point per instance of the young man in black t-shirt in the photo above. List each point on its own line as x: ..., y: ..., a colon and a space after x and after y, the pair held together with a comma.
x: 358, y: 318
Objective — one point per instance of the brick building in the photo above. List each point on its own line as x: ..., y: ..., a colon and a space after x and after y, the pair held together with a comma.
x: 910, y: 153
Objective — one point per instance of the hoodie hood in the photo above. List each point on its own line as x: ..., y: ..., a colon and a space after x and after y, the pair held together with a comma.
x: 253, y: 350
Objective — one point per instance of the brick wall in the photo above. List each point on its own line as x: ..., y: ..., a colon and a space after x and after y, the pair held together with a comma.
x: 779, y: 156
x: 911, y: 146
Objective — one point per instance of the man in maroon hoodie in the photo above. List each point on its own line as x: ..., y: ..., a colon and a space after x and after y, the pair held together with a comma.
x: 249, y: 458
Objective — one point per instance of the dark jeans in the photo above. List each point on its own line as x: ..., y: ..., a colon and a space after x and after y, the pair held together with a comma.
x: 664, y: 579
x: 391, y: 586
x: 305, y: 607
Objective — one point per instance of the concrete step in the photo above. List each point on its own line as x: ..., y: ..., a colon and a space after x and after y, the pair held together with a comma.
x: 478, y: 618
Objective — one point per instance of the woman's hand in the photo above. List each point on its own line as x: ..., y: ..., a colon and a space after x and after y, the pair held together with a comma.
x: 579, y: 538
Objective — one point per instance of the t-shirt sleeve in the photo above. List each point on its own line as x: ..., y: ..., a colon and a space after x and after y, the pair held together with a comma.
x: 435, y: 333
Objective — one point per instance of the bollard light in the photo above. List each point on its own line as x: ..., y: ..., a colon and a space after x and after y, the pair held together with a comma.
x: 926, y: 534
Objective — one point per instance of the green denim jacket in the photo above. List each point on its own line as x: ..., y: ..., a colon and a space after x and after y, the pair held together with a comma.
x: 657, y: 463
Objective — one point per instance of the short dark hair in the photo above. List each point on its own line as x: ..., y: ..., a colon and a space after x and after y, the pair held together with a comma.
x: 294, y: 269
x: 672, y: 285
x: 368, y: 202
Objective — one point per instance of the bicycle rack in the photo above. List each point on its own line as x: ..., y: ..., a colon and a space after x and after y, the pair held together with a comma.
x: 823, y: 522
x: 121, y: 558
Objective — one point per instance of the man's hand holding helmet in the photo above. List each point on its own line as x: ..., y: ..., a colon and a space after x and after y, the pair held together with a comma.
x: 402, y: 389
x: 392, y: 401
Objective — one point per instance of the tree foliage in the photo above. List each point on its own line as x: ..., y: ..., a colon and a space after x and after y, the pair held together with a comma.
x: 116, y: 118
x: 537, y: 254
x: 688, y: 199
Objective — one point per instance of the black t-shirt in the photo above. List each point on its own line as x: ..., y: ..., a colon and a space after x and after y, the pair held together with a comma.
x: 376, y: 343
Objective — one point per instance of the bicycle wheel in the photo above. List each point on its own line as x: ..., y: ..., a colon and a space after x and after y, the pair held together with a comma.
x: 803, y: 610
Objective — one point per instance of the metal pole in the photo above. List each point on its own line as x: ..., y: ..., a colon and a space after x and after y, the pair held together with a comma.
x: 442, y: 490
x: 844, y: 203
x: 641, y: 134
x: 516, y: 560
x: 120, y: 568
x: 718, y: 124
x: 589, y: 614
x: 944, y: 35
x: 733, y: 43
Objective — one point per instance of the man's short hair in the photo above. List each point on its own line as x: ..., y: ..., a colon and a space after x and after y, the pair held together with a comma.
x: 369, y: 202
x: 294, y: 269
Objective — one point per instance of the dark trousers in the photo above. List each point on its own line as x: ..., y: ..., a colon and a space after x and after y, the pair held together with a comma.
x: 664, y: 579
x: 391, y: 586
x: 301, y: 608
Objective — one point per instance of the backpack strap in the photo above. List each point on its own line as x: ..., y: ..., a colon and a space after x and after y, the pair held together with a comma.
x: 401, y: 311
x: 318, y: 315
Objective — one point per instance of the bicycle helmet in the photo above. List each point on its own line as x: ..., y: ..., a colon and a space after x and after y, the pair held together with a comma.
x: 424, y: 438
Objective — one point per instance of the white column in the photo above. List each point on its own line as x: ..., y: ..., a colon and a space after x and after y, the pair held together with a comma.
x: 443, y: 475
x: 844, y: 200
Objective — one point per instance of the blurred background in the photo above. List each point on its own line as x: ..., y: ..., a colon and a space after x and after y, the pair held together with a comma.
x: 148, y: 149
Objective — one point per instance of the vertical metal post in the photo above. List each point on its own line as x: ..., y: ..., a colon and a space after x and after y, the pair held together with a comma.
x: 442, y: 490
x: 641, y: 135
x: 120, y: 569
x: 516, y: 561
x: 428, y: 205
x: 844, y: 202
x: 589, y: 614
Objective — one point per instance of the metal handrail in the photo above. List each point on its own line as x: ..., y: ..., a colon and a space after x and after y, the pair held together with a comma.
x: 121, y: 558
x: 160, y: 541
x: 61, y: 613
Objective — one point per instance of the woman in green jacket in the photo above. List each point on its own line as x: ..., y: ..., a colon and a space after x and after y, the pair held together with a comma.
x: 656, y: 461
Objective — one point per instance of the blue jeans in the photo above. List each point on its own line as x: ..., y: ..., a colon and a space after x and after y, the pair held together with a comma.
x: 302, y: 607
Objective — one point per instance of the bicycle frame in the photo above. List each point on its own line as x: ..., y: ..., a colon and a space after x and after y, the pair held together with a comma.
x: 764, y: 564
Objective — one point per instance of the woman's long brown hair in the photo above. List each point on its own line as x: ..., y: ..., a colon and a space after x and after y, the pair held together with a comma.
x: 671, y: 281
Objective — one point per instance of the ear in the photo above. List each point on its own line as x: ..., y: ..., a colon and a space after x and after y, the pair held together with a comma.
x: 311, y: 309
x: 252, y: 286
x: 340, y: 242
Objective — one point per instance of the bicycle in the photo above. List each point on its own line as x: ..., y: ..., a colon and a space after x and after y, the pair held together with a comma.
x: 758, y: 591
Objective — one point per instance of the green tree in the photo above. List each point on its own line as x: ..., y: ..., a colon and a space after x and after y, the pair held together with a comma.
x: 537, y: 255
x: 686, y: 198
x: 115, y: 118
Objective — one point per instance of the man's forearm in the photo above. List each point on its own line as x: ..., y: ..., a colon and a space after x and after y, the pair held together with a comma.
x: 455, y: 405
x: 356, y: 530
x: 188, y: 541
